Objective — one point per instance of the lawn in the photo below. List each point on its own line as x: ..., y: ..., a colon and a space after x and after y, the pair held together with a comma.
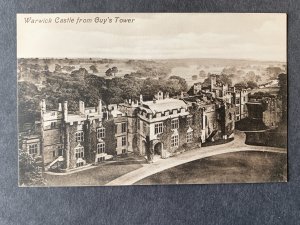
x: 239, y: 167
x: 99, y: 175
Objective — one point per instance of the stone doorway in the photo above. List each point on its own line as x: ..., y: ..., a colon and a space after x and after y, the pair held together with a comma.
x: 158, y: 149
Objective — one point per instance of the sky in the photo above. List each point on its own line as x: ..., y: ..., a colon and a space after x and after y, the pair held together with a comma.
x: 154, y: 36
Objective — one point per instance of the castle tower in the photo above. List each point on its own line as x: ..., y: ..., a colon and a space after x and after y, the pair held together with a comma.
x: 213, y: 81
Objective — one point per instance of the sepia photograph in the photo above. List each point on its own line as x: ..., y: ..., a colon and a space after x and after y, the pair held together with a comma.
x: 109, y: 99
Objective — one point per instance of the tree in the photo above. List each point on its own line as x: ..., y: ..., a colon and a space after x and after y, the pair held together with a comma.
x: 240, y: 72
x: 108, y: 72
x: 94, y: 69
x: 251, y: 84
x: 81, y: 73
x: 57, y: 68
x: 206, y: 82
x: 241, y: 85
x: 257, y: 78
x: 260, y: 95
x: 202, y: 74
x: 250, y: 76
x: 229, y: 70
x: 273, y: 71
x: 30, y: 173
x: 225, y: 79
x: 114, y: 70
x: 181, y: 81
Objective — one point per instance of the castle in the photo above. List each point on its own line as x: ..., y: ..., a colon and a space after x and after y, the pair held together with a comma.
x: 159, y: 127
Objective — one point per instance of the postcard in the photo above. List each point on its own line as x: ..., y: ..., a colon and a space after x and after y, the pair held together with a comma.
x: 151, y: 98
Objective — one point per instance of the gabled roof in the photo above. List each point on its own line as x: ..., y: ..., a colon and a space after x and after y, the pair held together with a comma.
x: 164, y: 105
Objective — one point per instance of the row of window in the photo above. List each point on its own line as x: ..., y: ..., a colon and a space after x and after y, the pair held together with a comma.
x: 100, y: 132
x: 158, y: 127
x: 79, y: 136
x: 175, y: 139
x: 79, y: 152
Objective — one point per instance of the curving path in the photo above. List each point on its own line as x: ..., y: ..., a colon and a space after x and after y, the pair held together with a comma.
x: 237, y: 145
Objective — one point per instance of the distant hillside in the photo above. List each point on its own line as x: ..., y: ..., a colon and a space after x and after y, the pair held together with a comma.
x: 192, y: 70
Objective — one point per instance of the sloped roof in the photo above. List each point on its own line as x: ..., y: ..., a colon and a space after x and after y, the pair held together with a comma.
x: 165, y: 104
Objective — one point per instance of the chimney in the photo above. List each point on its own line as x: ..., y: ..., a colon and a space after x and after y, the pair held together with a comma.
x: 43, y: 105
x: 181, y: 95
x: 141, y: 99
x: 59, y: 107
x: 66, y: 110
x: 129, y: 101
x: 100, y: 107
x: 154, y: 100
x: 81, y: 107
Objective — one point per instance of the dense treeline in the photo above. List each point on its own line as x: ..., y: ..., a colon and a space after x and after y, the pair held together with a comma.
x: 79, y: 85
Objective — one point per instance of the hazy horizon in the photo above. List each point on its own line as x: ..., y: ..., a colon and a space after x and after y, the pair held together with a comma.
x: 153, y: 59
